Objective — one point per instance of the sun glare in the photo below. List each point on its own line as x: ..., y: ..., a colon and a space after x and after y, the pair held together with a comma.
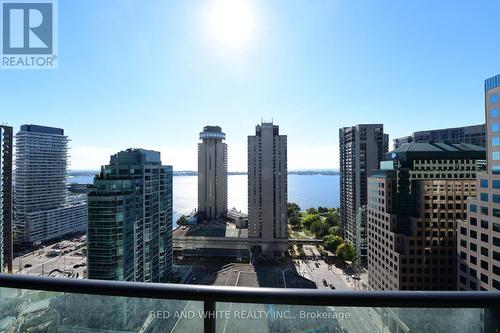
x: 232, y: 23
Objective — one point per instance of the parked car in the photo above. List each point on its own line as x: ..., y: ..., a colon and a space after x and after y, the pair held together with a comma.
x: 356, y: 277
x: 332, y: 286
x: 28, y: 265
x: 325, y: 283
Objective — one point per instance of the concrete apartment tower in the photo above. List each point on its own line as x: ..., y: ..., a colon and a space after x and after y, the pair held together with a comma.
x: 479, y: 235
x: 6, y: 199
x: 268, y: 190
x: 129, y: 235
x: 415, y: 202
x: 212, y: 173
x: 362, y: 147
x: 43, y: 209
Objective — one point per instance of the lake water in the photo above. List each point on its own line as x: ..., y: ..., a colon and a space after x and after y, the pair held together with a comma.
x: 305, y: 190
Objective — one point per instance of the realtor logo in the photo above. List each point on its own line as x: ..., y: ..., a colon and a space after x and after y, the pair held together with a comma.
x: 29, y: 34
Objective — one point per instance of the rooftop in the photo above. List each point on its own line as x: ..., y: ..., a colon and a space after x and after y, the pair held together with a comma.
x: 438, y: 150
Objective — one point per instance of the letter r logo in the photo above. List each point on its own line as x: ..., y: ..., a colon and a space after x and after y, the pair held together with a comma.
x: 27, y: 28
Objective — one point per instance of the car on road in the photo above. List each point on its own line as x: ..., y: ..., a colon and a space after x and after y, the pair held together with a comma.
x: 316, y: 264
x: 332, y: 286
x: 325, y: 283
x: 355, y: 277
x: 28, y: 265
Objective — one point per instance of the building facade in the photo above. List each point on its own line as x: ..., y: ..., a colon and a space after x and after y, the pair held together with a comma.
x: 6, y: 198
x: 212, y: 173
x: 129, y: 235
x: 475, y: 135
x: 415, y: 202
x: 479, y: 236
x: 268, y: 189
x: 42, y: 210
x: 362, y: 147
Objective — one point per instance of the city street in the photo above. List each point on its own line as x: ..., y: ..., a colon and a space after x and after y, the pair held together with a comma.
x: 363, y: 320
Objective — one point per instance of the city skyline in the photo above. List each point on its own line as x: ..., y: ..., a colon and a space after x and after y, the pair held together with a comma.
x: 183, y: 71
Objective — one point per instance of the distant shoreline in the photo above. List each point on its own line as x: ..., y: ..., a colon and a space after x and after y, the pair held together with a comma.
x: 231, y: 173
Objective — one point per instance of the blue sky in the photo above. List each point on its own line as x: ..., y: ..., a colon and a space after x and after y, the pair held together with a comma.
x: 151, y: 74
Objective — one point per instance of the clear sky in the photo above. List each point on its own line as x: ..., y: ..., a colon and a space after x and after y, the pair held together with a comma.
x: 152, y: 73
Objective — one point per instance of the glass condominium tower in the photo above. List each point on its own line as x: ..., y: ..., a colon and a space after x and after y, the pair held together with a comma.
x: 42, y: 210
x: 129, y: 234
x: 6, y: 200
x: 212, y: 173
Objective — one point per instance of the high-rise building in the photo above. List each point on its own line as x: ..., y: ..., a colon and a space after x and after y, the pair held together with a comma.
x: 475, y: 135
x: 479, y: 236
x: 362, y: 147
x: 268, y: 190
x: 6, y: 201
x: 212, y: 173
x: 129, y: 234
x: 415, y: 201
x: 42, y: 210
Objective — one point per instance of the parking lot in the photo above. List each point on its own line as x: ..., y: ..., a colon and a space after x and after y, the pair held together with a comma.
x: 65, y: 258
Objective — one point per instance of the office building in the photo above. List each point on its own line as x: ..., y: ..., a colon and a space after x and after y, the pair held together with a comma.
x: 479, y: 235
x: 415, y: 202
x: 268, y: 190
x: 362, y: 147
x: 42, y: 211
x: 475, y: 135
x: 129, y: 235
x: 6, y: 199
x: 212, y: 173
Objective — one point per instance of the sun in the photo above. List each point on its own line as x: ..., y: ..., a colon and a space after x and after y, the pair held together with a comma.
x: 232, y: 23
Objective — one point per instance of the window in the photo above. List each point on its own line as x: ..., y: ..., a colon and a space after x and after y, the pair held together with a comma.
x: 494, y: 112
x: 496, y: 227
x: 495, y: 155
x: 496, y: 212
x: 484, y: 183
x: 494, y: 99
x: 495, y: 141
x: 484, y: 210
x: 495, y: 127
x: 496, y: 198
x: 484, y: 197
x: 495, y: 169
x: 473, y: 221
x: 473, y: 208
x: 496, y: 184
x: 484, y: 224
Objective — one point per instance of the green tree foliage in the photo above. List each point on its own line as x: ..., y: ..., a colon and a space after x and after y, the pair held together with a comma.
x: 182, y: 220
x: 334, y: 230
x: 312, y: 211
x: 346, y: 252
x: 322, y: 209
x: 294, y: 220
x: 310, y: 219
x: 333, y: 219
x: 332, y: 242
x: 293, y: 209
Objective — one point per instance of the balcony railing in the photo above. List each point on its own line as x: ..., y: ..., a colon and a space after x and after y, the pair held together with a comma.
x: 40, y: 304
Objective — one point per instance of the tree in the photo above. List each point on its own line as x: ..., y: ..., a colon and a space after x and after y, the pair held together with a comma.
x: 293, y: 209
x: 312, y: 210
x: 332, y: 242
x: 294, y: 220
x: 346, y: 252
x: 182, y: 220
x: 334, y: 230
x: 310, y: 219
x: 333, y: 219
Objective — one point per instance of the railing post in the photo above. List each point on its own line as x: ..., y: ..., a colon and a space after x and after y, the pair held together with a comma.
x: 209, y: 316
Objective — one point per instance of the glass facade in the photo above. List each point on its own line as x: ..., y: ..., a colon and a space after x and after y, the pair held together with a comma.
x: 130, y: 219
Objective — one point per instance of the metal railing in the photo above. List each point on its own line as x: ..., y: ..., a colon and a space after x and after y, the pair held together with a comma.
x: 211, y: 295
